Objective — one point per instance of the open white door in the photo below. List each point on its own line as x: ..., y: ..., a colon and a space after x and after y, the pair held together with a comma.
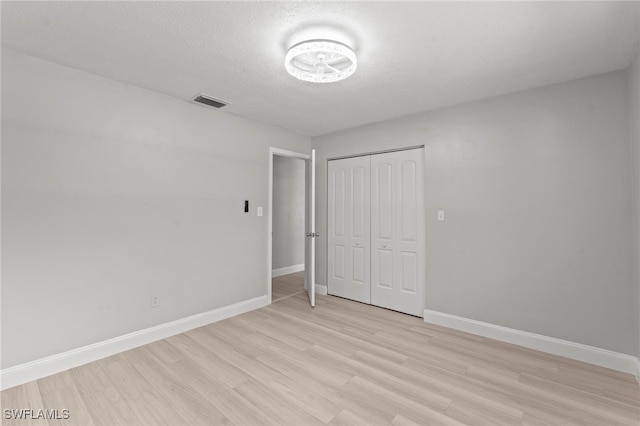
x: 310, y: 220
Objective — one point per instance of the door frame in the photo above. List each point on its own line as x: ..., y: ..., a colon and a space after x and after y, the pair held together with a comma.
x: 281, y: 153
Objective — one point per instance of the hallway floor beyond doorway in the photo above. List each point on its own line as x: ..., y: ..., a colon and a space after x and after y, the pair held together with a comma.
x: 287, y: 285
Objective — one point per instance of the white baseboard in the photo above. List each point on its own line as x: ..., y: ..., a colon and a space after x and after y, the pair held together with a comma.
x: 321, y: 289
x: 287, y: 270
x: 602, y: 357
x: 27, y: 372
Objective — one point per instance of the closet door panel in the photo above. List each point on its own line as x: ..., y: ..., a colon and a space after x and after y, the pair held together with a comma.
x: 359, y: 203
x: 338, y: 262
x: 382, y: 216
x: 383, y: 268
x: 339, y: 187
x: 407, y: 203
x: 409, y: 271
x: 401, y: 203
x: 410, y: 256
x: 349, y: 207
x: 337, y: 225
x: 382, y: 223
x: 359, y: 264
x: 407, y: 225
x: 358, y: 287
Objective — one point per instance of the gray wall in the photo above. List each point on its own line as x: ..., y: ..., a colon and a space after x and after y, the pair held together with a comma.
x: 634, y: 114
x: 288, y: 211
x: 112, y: 194
x: 536, y: 188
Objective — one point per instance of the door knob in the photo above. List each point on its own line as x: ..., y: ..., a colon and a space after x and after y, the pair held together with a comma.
x: 384, y: 246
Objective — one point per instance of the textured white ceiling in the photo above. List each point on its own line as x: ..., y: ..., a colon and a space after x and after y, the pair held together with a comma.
x: 412, y: 56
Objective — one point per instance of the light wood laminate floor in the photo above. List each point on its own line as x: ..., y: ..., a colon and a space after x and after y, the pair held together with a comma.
x: 287, y: 285
x: 341, y: 363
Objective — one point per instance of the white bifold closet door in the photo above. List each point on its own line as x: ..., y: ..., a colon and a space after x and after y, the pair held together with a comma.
x: 397, y: 231
x: 349, y: 256
x: 376, y: 239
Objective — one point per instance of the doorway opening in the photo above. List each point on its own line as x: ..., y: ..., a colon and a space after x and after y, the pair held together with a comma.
x: 291, y: 231
x: 288, y: 233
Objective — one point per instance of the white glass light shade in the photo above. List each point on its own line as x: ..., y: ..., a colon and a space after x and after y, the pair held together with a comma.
x: 320, y: 61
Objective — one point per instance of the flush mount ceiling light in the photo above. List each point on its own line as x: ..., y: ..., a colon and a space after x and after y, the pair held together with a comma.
x: 320, y: 61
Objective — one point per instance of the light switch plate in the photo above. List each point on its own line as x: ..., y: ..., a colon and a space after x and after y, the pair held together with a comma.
x: 440, y: 215
x: 259, y: 211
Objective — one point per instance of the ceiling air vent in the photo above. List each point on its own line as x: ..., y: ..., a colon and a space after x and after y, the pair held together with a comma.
x: 208, y: 100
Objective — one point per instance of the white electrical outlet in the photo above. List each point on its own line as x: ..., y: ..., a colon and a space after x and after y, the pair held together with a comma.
x: 155, y: 301
x: 259, y: 211
x: 440, y: 215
